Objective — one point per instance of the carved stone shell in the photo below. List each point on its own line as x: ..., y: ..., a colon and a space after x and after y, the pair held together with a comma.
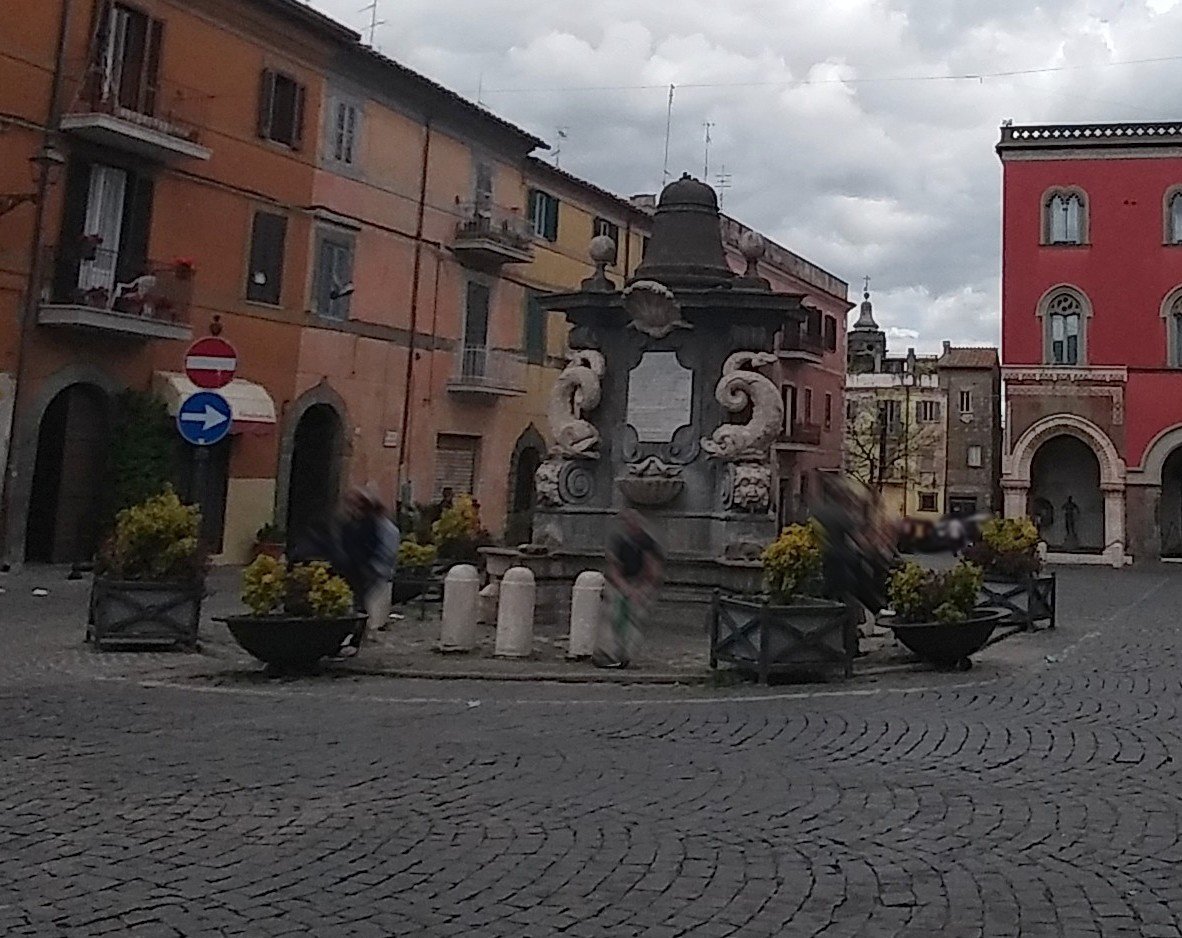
x: 653, y: 308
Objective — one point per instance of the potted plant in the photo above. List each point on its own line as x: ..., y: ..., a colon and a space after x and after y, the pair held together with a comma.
x: 935, y: 613
x: 1008, y: 552
x: 458, y: 533
x: 270, y: 540
x: 298, y: 615
x: 413, y: 573
x: 183, y: 268
x: 150, y: 576
x: 790, y: 627
x: 88, y: 246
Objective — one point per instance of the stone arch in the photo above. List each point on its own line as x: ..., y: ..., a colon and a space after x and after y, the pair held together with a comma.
x: 322, y: 394
x: 1017, y: 480
x: 528, y: 453
x: 1157, y: 452
x: 23, y: 446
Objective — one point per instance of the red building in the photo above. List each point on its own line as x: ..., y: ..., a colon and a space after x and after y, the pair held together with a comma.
x: 1092, y: 336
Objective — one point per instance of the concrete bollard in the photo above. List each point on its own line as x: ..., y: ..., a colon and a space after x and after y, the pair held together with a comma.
x: 461, y: 590
x: 585, y: 600
x: 515, y: 615
x: 489, y: 596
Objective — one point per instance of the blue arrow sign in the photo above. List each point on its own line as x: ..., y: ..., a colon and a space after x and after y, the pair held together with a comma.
x: 204, y: 418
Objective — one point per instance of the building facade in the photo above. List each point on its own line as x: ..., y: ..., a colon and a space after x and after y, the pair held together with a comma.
x: 1092, y: 328
x: 971, y: 380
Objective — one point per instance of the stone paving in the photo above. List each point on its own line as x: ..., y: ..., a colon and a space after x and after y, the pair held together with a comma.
x: 1036, y: 796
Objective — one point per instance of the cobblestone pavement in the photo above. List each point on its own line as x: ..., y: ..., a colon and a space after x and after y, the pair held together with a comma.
x: 1038, y: 797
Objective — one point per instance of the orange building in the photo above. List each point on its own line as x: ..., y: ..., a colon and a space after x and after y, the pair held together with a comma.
x: 372, y: 244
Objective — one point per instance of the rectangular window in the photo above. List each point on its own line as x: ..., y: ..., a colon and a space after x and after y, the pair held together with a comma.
x: 890, y: 415
x: 927, y: 411
x: 788, y: 393
x: 929, y: 501
x: 831, y: 333
x: 129, y: 45
x: 344, y: 128
x: 808, y: 405
x: 601, y: 226
x: 534, y: 338
x: 974, y: 457
x: 851, y: 410
x: 1065, y: 339
x: 543, y: 214
x: 281, y: 109
x: 966, y: 402
x: 482, y: 188
x: 333, y: 282
x: 264, y: 281
x: 456, y: 459
x: 828, y: 411
x: 475, y: 347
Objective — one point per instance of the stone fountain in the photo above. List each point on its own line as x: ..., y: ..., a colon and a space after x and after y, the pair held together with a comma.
x: 665, y: 405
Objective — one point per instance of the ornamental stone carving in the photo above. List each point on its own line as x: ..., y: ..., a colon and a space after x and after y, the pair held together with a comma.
x: 546, y: 483
x: 576, y: 393
x: 653, y: 308
x: 749, y: 487
x: 651, y: 482
x: 741, y: 386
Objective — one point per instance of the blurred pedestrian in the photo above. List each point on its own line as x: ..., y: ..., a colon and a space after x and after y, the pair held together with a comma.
x: 635, y: 564
x: 367, y: 551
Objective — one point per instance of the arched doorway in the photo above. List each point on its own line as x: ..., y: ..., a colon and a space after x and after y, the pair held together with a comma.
x: 1065, y: 496
x: 528, y: 453
x: 1170, y: 508
x: 69, y: 477
x: 315, y: 469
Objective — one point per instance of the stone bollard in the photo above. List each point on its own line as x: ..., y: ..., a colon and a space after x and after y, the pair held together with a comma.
x: 585, y: 601
x: 460, y: 592
x: 515, y: 615
x: 489, y: 597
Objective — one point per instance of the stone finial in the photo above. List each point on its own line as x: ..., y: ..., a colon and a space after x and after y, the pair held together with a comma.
x: 752, y: 246
x: 603, y: 252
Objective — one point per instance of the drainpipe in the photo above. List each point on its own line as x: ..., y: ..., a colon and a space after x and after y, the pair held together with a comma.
x: 412, y: 345
x: 28, y: 318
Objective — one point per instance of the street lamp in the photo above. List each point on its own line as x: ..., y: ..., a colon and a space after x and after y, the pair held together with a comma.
x: 47, y: 164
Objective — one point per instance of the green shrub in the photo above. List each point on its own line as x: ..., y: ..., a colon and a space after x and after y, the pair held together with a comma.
x: 415, y: 556
x: 156, y: 541
x: 308, y: 590
x: 791, y: 561
x: 921, y: 595
x: 1008, y: 546
x: 141, y: 450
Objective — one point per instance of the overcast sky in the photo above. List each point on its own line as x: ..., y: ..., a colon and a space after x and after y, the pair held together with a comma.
x: 831, y: 151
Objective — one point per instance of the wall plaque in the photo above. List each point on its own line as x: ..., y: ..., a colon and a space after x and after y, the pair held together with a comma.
x: 660, y: 397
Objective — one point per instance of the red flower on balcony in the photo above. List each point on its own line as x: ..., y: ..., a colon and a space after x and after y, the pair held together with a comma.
x: 89, y: 245
x: 183, y: 267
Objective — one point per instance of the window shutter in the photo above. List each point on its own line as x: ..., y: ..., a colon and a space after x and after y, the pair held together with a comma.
x: 266, y: 100
x: 152, y: 67
x: 297, y: 132
x: 137, y: 226
x: 552, y: 218
x: 936, y: 408
x: 455, y: 464
x: 324, y: 278
x: 266, y: 256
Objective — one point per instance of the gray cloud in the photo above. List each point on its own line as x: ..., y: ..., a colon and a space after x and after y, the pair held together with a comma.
x: 830, y: 153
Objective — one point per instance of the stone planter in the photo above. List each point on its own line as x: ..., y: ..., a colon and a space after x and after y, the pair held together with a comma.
x: 756, y: 636
x: 949, y: 645
x: 1027, y: 601
x: 131, y: 612
x: 292, y: 643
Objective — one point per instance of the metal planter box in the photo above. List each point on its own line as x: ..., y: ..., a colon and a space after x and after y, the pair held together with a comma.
x: 1028, y: 601
x: 130, y: 612
x: 757, y: 636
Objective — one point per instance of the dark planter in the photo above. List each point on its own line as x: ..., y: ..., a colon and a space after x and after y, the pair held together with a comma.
x: 1028, y: 601
x: 292, y: 643
x: 410, y: 583
x: 949, y: 645
x: 130, y: 612
x: 757, y: 636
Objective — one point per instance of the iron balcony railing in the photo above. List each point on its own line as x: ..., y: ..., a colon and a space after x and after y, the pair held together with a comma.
x: 158, y: 105
x: 484, y: 369
x: 481, y: 221
x: 806, y: 434
x: 86, y: 275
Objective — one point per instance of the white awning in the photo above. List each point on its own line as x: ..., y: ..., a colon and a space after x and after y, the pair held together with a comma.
x: 251, y: 405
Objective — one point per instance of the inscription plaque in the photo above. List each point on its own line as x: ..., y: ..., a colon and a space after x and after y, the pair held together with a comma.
x: 660, y: 397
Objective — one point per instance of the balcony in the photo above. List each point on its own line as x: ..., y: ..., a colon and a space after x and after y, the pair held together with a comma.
x: 82, y: 291
x: 490, y: 236
x: 487, y: 373
x: 799, y: 344
x: 800, y: 435
x: 161, y: 122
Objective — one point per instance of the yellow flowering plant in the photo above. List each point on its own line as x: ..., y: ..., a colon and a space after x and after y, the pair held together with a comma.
x: 791, y: 562
x: 1008, y: 546
x: 920, y: 595
x: 156, y: 540
x: 307, y: 590
x: 415, y: 556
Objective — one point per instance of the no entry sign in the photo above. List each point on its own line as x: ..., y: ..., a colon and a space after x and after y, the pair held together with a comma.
x: 211, y: 362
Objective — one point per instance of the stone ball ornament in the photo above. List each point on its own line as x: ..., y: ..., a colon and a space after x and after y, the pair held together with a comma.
x: 752, y: 245
x: 602, y: 249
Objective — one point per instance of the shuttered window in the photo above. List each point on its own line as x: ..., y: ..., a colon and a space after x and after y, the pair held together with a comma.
x: 281, y: 108
x: 334, y: 274
x: 264, y: 280
x: 455, y: 463
x: 543, y: 214
x: 535, y: 329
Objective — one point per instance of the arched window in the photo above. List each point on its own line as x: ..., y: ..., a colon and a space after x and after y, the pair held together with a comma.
x: 1065, y: 220
x: 1174, y: 217
x: 1172, y: 313
x: 1065, y: 317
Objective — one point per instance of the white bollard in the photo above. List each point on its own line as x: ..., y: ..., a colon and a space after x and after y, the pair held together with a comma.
x: 585, y: 601
x: 515, y: 615
x: 488, y: 603
x: 461, y: 589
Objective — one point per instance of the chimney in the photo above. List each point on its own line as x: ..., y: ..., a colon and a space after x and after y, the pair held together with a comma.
x: 947, y: 346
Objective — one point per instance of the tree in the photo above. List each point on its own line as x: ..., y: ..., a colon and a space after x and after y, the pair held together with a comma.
x: 883, y: 445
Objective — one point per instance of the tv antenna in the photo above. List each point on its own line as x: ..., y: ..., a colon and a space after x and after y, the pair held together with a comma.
x: 563, y: 133
x: 708, y: 125
x: 374, y: 22
x: 668, y: 128
x: 722, y: 182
